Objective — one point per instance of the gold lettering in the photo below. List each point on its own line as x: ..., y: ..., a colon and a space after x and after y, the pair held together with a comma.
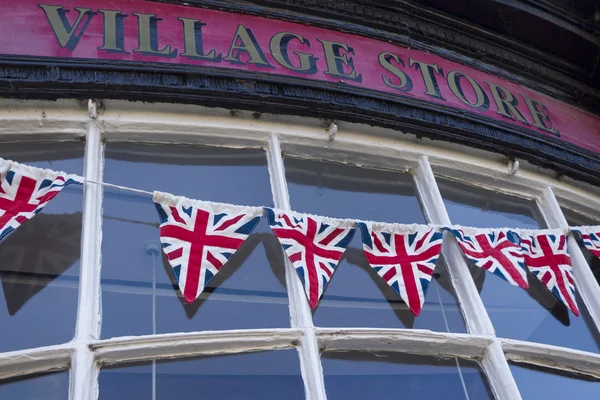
x: 406, y: 84
x: 428, y: 72
x: 506, y: 103
x: 541, y: 116
x: 247, y: 44
x: 63, y: 30
x: 482, y: 102
x: 194, y: 47
x: 336, y: 60
x: 279, y: 50
x: 114, y: 37
x: 148, y: 37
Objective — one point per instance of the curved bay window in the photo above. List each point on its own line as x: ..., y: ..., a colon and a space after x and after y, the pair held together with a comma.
x: 90, y: 304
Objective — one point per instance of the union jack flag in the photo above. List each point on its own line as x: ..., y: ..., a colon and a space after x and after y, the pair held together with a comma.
x: 199, y: 237
x: 547, y: 258
x: 313, y: 246
x: 498, y: 252
x: 405, y: 260
x: 590, y: 237
x: 25, y: 191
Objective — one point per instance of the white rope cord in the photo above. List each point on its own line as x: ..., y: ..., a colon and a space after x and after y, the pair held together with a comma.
x: 125, y: 188
x: 395, y: 226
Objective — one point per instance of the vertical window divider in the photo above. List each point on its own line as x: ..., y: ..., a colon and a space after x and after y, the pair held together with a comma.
x: 585, y: 281
x: 476, y: 317
x: 84, y: 372
x: 300, y: 314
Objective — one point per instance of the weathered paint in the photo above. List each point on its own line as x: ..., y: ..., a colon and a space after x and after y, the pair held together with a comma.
x: 141, y: 31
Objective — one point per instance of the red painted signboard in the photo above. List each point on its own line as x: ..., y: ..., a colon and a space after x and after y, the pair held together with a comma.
x: 143, y: 31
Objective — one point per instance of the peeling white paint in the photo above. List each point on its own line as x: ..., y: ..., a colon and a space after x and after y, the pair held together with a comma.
x: 171, y: 345
x: 561, y: 358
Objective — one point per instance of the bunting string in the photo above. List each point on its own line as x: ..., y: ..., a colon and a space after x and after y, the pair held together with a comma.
x: 199, y: 237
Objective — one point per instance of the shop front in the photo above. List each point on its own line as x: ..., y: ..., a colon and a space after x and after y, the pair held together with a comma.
x: 299, y: 199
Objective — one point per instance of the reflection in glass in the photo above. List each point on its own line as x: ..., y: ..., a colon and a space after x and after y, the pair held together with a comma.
x: 542, y: 383
x: 57, y: 156
x: 53, y: 386
x: 39, y: 262
x: 356, y: 375
x: 237, y: 176
x: 536, y: 314
x: 347, y: 191
x: 356, y: 295
x: 138, y: 287
x: 267, y: 375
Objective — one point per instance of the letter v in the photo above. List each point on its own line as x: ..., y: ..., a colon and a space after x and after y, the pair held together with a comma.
x: 65, y: 33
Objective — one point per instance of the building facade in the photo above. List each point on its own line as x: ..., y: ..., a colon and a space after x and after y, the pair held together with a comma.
x: 482, y: 114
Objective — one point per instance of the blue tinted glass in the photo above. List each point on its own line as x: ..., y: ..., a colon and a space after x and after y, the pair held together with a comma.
x: 249, y: 292
x: 542, y: 383
x: 53, y: 386
x: 203, y: 173
x: 39, y: 262
x: 356, y: 295
x: 576, y: 219
x: 63, y: 156
x: 355, y: 375
x: 272, y: 375
x: 346, y: 191
x: 536, y: 314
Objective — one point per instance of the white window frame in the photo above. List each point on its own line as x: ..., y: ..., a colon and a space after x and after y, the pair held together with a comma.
x: 304, y: 137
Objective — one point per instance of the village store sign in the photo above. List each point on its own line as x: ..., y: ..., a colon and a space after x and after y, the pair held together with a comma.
x: 143, y: 31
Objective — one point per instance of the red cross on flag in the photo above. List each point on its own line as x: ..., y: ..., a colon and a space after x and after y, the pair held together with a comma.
x: 25, y: 191
x: 547, y: 258
x: 199, y: 237
x: 314, y: 246
x: 495, y: 250
x: 404, y: 257
x: 590, y: 237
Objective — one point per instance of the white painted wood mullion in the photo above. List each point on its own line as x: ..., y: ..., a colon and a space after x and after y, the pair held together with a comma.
x: 84, y: 373
x: 476, y: 317
x: 562, y: 358
x: 300, y: 314
x: 414, y: 341
x: 474, y: 312
x: 498, y: 373
x: 585, y: 281
x: 174, y: 345
x: 34, y: 361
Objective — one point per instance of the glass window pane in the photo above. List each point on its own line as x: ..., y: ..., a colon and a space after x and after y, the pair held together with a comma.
x: 356, y: 295
x: 58, y: 156
x: 53, y: 386
x: 267, y: 375
x: 536, y: 314
x: 355, y: 375
x: 576, y: 219
x: 39, y: 262
x: 542, y: 383
x: 250, y: 290
x: 347, y: 191
x: 471, y: 206
x: 237, y: 176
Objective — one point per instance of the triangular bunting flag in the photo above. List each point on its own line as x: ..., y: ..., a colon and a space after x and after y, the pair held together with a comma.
x: 495, y: 250
x: 199, y: 237
x: 547, y: 258
x: 404, y: 256
x: 25, y: 191
x: 590, y: 237
x: 314, y: 245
